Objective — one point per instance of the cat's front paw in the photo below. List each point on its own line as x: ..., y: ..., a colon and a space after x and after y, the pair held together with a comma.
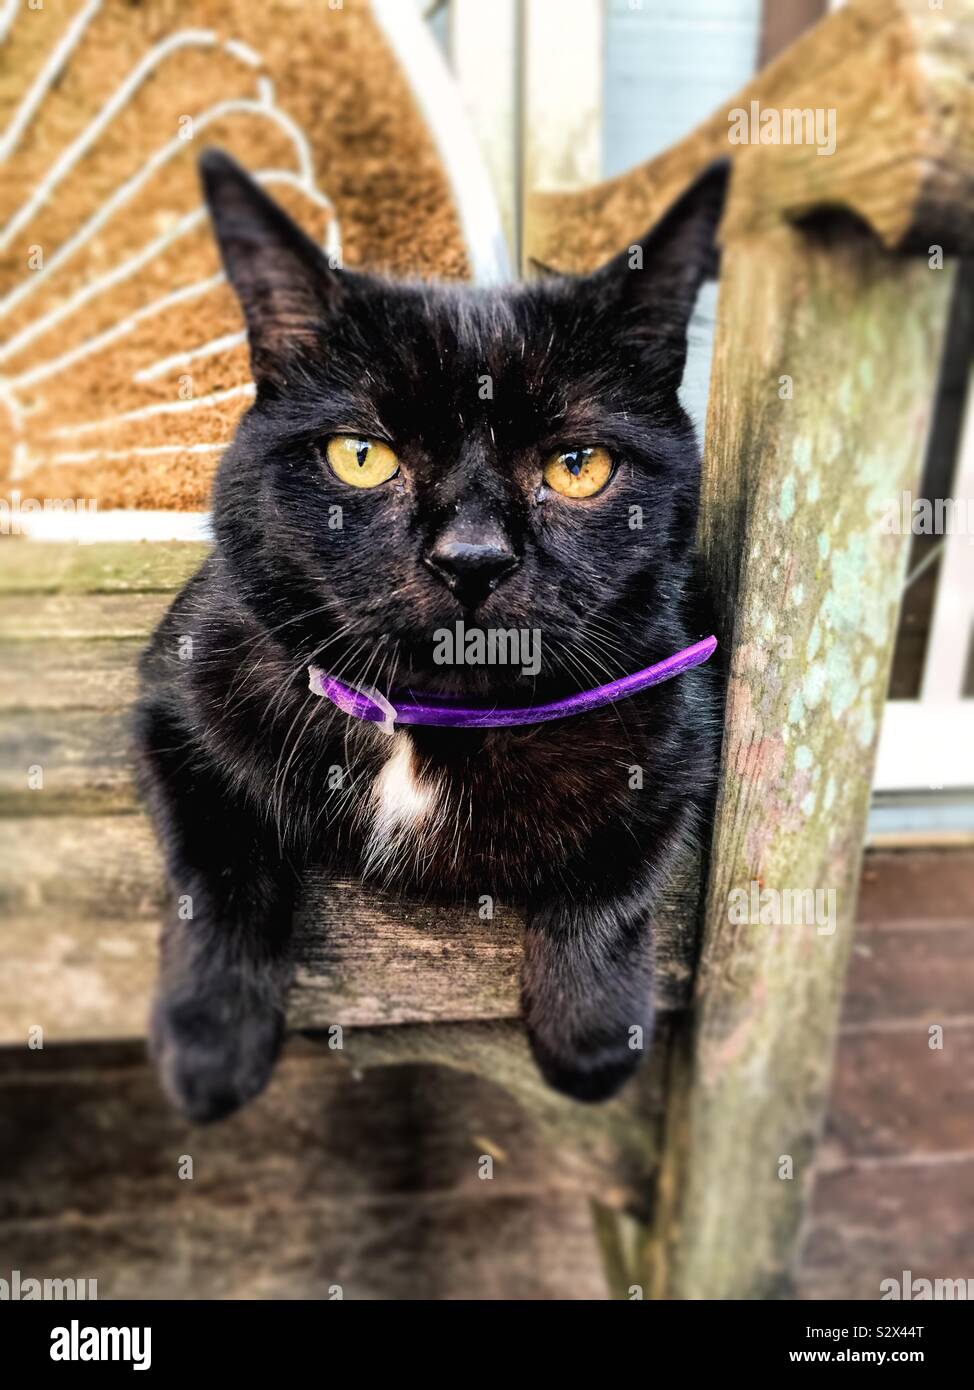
x: 215, y: 1051
x: 592, y: 1070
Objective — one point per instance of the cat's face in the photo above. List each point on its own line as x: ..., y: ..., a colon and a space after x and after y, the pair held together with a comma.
x: 417, y: 455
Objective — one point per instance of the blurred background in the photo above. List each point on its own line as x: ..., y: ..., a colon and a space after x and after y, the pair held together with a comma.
x: 407, y: 135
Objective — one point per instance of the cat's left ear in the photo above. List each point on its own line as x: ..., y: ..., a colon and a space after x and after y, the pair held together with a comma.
x: 660, y: 276
x: 283, y: 281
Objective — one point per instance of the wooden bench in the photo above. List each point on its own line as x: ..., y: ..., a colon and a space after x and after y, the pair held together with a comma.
x: 831, y: 316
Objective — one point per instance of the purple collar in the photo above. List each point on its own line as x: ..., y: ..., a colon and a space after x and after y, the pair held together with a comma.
x: 366, y: 703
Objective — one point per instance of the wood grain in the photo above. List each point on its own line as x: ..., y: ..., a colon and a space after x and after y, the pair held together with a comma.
x: 82, y: 901
x: 336, y: 1176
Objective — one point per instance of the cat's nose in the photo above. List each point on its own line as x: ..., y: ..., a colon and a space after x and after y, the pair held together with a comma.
x: 472, y: 567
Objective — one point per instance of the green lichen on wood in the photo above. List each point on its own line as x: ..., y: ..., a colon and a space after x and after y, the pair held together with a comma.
x: 809, y: 602
x: 108, y: 567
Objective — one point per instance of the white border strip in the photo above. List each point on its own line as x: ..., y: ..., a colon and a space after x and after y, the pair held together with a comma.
x: 87, y: 528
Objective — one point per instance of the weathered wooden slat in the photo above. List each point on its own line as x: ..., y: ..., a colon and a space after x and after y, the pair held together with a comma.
x: 109, y: 567
x: 369, y: 1179
x: 104, y: 871
x: 894, y: 1178
x: 68, y: 674
x: 73, y: 620
x: 367, y: 958
x: 375, y: 957
x: 927, y: 885
x: 65, y: 762
x: 82, y: 618
x: 896, y: 1097
x: 869, y: 1224
x: 80, y: 919
x: 519, y: 1247
x: 325, y: 1107
x: 808, y: 609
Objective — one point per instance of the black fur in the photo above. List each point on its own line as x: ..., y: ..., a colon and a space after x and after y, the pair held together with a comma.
x: 237, y: 760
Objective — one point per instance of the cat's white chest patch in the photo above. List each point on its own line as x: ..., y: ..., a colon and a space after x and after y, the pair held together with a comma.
x: 405, y: 808
x: 400, y: 798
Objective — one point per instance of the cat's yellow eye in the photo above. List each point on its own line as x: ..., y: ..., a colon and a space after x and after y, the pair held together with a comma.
x: 361, y: 462
x: 579, y: 472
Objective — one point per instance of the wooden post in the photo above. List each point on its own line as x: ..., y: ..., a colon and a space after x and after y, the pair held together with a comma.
x: 823, y: 381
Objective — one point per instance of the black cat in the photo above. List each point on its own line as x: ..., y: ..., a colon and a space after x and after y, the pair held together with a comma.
x: 417, y: 455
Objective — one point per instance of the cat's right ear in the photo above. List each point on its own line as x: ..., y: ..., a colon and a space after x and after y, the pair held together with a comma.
x: 283, y: 281
x: 656, y: 280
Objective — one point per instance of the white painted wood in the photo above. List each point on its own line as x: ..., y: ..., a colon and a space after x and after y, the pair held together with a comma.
x: 122, y: 524
x: 923, y: 747
x: 929, y: 742
x: 562, y: 93
x: 441, y: 106
x: 952, y: 628
x: 484, y: 48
